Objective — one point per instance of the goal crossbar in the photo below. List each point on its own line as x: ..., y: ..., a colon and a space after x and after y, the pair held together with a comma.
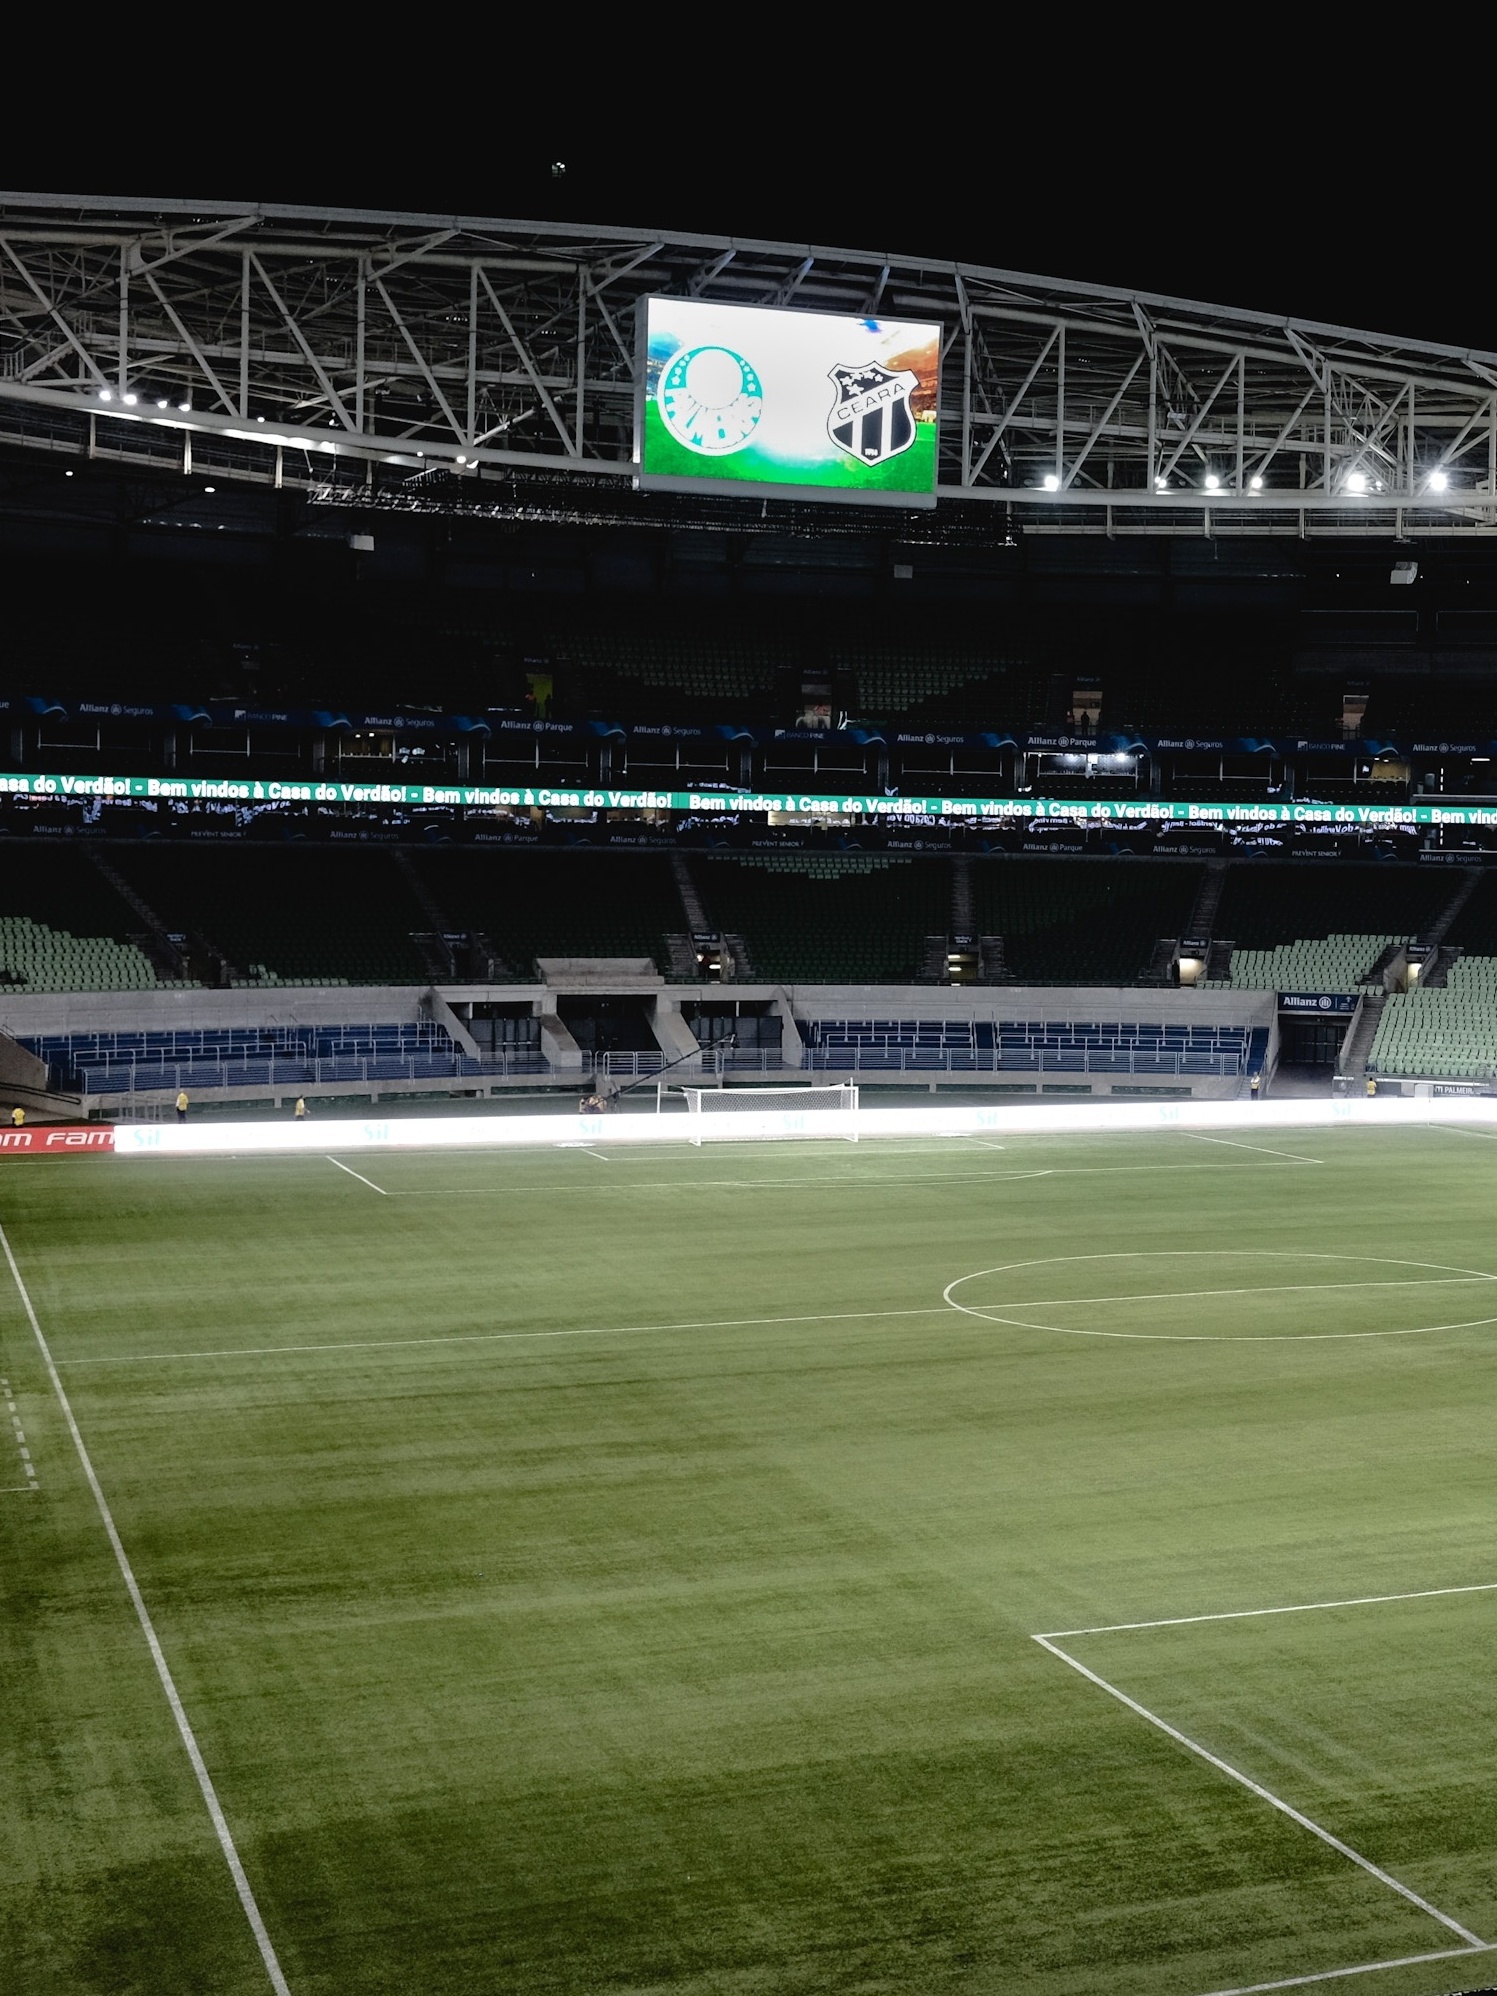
x: 752, y: 1114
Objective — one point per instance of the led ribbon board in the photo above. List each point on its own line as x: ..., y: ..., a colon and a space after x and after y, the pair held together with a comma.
x: 841, y: 804
x: 798, y: 404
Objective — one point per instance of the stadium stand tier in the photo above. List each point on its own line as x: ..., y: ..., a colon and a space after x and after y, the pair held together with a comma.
x: 828, y: 918
x: 287, y: 915
x: 1081, y: 921
x: 1028, y: 1046
x: 63, y: 927
x: 1448, y: 1033
x: 273, y: 1057
x: 531, y: 905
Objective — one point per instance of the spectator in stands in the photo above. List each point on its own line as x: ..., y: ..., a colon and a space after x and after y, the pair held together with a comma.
x: 17, y: 1116
x: 181, y: 1105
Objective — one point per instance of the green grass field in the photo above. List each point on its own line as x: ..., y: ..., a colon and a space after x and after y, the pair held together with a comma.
x: 622, y: 1574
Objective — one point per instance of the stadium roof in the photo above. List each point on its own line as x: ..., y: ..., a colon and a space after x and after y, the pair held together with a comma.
x: 356, y: 352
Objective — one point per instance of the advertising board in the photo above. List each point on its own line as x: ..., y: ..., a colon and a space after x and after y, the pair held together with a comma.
x: 56, y: 1140
x: 798, y: 404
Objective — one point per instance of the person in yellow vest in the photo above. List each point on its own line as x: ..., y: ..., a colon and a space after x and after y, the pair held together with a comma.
x: 301, y: 1108
x: 17, y: 1116
x: 1371, y: 1086
x: 182, y: 1106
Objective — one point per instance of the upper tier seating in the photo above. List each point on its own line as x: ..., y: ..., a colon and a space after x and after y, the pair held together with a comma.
x: 1265, y: 904
x: 534, y: 904
x: 34, y: 957
x: 1475, y: 927
x: 1320, y: 963
x: 1448, y: 1033
x: 1081, y: 921
x: 287, y: 914
x: 828, y: 917
x: 63, y: 927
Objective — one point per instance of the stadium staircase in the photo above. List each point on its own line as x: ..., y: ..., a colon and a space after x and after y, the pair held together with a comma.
x: 1351, y: 1068
x: 153, y: 941
x: 1441, y: 926
x: 1208, y: 900
x: 436, y: 944
x: 680, y: 946
x: 963, y: 917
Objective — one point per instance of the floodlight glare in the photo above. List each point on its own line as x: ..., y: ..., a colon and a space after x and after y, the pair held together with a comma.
x: 185, y: 407
x: 1438, y: 481
x: 105, y: 395
x: 1356, y: 481
x: 1052, y: 483
x: 1256, y: 481
x: 160, y: 401
x: 1161, y: 485
x: 1213, y: 483
x: 129, y: 400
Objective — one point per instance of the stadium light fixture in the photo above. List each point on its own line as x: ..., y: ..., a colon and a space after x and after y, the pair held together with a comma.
x: 1439, y: 480
x: 129, y: 400
x: 1356, y: 481
x: 1161, y: 484
x: 1052, y: 483
x: 160, y: 401
x: 210, y: 488
x: 185, y: 407
x: 106, y: 395
x: 1213, y: 483
x: 1256, y: 481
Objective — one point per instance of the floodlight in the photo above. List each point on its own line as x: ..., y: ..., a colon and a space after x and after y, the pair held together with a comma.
x: 1356, y: 481
x: 105, y: 395
x: 160, y: 401
x: 185, y: 407
x: 129, y: 400
x: 1161, y: 484
x: 1213, y: 483
x: 461, y: 459
x: 210, y: 488
x: 1052, y: 483
x: 1438, y: 481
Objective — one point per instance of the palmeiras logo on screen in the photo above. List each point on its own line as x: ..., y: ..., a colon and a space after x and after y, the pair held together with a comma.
x: 871, y: 418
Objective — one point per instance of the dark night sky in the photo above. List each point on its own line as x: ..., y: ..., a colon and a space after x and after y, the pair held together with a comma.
x: 1322, y: 214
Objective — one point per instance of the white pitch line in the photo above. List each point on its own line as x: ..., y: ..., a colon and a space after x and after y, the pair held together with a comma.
x: 360, y: 1177
x: 503, y: 1337
x: 14, y: 1489
x: 1362, y: 1968
x: 1262, y: 1149
x: 1251, y: 1289
x: 1265, y: 1795
x: 158, y: 1656
x: 1295, y: 1608
x: 1457, y: 1130
x: 848, y: 1181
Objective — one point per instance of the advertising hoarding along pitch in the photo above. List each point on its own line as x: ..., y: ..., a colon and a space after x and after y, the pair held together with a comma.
x: 799, y: 404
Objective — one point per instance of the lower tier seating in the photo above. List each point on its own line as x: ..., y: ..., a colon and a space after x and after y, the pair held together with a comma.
x: 1444, y: 1034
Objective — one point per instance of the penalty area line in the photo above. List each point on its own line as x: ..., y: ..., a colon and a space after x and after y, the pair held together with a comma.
x: 1361, y: 1968
x: 360, y: 1177
x: 1231, y: 1143
x: 188, y: 1737
x: 1328, y: 1837
x: 1294, y: 1608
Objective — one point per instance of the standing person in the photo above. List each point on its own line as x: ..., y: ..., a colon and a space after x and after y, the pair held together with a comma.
x: 17, y: 1116
x: 181, y: 1105
x: 301, y: 1108
x: 1254, y: 1085
x: 1371, y: 1086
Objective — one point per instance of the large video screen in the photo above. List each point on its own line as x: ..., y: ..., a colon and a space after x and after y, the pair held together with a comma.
x: 801, y: 404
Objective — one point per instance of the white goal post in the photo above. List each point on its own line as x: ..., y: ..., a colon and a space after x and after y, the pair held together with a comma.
x: 748, y: 1114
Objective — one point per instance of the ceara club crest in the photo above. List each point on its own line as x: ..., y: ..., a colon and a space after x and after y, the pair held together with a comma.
x: 871, y: 418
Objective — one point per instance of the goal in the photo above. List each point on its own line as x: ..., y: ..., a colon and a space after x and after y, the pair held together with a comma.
x: 744, y: 1114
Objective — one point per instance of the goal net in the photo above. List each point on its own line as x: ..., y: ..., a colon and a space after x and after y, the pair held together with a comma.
x: 742, y: 1114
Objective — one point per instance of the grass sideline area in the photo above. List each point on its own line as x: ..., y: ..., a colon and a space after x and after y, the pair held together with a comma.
x: 624, y: 1572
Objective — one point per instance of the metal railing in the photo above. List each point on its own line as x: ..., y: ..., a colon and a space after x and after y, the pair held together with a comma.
x: 1005, y: 1060
x: 252, y: 1071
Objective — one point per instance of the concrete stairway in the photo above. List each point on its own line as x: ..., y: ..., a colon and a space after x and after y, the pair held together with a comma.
x: 1439, y: 928
x: 1351, y: 1068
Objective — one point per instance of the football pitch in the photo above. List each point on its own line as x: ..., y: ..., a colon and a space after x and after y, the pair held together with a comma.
x: 1057, y: 1566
